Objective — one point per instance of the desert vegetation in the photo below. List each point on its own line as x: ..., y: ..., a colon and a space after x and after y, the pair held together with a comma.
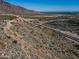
x: 7, y: 17
x: 46, y: 39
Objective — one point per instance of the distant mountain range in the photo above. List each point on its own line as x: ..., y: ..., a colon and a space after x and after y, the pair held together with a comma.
x: 7, y: 8
x: 63, y: 12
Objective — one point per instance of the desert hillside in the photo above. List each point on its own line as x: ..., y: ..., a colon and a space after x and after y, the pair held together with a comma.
x: 27, y: 34
x: 22, y: 38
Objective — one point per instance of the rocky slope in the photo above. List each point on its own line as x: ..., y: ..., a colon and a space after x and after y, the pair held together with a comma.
x: 28, y: 39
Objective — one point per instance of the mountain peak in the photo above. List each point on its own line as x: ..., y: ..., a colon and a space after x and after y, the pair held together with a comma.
x: 9, y: 8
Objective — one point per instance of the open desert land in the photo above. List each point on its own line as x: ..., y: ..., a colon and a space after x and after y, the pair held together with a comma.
x: 30, y: 34
x: 30, y: 38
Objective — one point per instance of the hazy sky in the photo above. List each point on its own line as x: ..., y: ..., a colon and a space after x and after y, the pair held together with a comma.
x: 48, y: 5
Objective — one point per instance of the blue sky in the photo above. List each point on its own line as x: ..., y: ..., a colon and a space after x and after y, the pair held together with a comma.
x: 48, y: 5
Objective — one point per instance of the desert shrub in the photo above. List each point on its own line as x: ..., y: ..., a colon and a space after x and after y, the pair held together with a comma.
x: 15, y: 41
x: 7, y: 17
x: 77, y: 46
